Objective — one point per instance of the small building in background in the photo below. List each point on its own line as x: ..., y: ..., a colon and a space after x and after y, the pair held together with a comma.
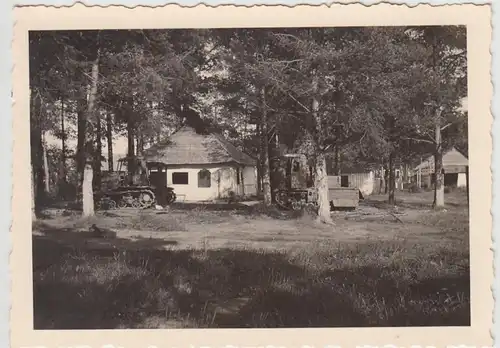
x: 370, y: 178
x: 361, y: 176
x: 455, y: 167
x: 201, y: 167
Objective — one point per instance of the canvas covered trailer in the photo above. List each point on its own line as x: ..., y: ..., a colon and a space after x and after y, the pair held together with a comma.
x: 298, y: 189
x: 342, y: 197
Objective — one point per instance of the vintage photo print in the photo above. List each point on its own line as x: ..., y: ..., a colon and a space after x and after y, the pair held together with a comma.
x: 188, y: 176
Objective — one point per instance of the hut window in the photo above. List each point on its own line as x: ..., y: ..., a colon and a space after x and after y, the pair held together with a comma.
x: 238, y: 177
x: 204, y: 178
x: 344, y: 181
x: 180, y: 178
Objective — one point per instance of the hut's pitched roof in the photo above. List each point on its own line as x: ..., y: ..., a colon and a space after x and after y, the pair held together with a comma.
x: 452, y: 157
x: 186, y: 146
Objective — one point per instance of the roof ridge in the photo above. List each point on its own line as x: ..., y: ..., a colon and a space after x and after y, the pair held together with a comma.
x: 216, y: 136
x: 459, y: 151
x: 207, y: 148
x: 430, y: 158
x: 222, y: 139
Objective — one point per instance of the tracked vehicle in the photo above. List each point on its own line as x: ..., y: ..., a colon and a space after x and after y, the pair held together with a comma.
x: 126, y: 188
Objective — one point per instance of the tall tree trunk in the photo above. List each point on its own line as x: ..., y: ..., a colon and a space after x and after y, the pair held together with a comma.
x: 87, y: 191
x: 130, y: 145
x: 438, y: 153
x: 81, y: 137
x: 321, y: 178
x: 140, y: 143
x: 321, y: 184
x: 438, y: 169
x: 33, y: 205
x: 392, y: 180
x: 336, y: 161
x: 382, y: 180
x: 266, y: 178
x: 36, y: 148
x: 82, y: 125
x: 386, y: 179
x: 98, y: 153
x: 46, y: 169
x: 34, y: 112
x: 142, y: 167
x: 275, y: 174
x: 109, y: 138
x: 259, y: 163
x: 62, y: 174
x: 467, y: 186
x: 405, y: 175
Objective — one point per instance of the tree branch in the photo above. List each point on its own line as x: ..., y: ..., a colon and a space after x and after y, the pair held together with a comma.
x: 446, y: 126
x: 419, y: 140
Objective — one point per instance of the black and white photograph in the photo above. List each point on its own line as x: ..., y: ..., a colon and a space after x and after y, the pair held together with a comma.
x: 252, y: 177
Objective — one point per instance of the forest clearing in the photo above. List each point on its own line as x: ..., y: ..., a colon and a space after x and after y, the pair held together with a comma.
x: 240, y: 267
x: 251, y: 177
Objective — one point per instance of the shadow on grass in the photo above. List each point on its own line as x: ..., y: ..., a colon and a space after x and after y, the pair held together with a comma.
x: 407, y: 204
x: 194, y: 209
x: 240, y: 209
x: 209, y: 206
x: 81, y: 283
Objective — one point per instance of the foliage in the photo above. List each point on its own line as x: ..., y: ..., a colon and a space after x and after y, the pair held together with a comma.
x: 376, y: 88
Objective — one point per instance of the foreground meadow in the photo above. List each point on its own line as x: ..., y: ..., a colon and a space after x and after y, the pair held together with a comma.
x: 200, y: 266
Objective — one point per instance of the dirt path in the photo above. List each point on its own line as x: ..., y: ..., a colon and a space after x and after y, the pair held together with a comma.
x: 277, y: 234
x: 205, y: 229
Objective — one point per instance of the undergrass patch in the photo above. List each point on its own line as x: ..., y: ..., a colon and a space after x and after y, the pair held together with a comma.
x: 282, y: 269
x: 391, y: 283
x: 140, y: 221
x: 152, y: 222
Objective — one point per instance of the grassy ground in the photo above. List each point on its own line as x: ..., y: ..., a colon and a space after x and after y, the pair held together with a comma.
x: 237, y: 266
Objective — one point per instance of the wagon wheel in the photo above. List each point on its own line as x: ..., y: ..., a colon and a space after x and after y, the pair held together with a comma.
x: 282, y: 199
x: 136, y: 203
x: 296, y: 205
x: 111, y: 204
x: 146, y: 200
x: 172, y: 198
x: 311, y: 207
x: 122, y: 203
x: 103, y: 204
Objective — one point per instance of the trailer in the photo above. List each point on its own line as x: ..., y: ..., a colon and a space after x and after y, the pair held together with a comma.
x: 342, y: 197
x: 298, y: 189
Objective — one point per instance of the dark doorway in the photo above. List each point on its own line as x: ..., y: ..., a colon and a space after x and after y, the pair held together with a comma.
x: 158, y: 178
x: 344, y: 181
x: 451, y: 180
